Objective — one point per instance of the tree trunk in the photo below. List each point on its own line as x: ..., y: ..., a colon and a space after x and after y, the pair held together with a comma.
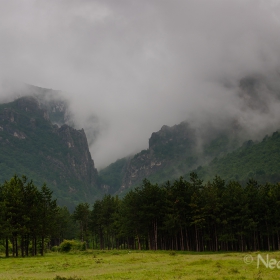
x: 196, y: 239
x: 182, y: 239
x: 16, y: 246
x: 26, y: 245
x: 43, y: 246
x: 138, y: 240
x: 7, y: 247
x: 14, y: 250
x: 155, y: 234
x: 35, y: 242
x: 82, y: 232
x: 33, y: 246
x: 187, y: 240
x: 22, y: 246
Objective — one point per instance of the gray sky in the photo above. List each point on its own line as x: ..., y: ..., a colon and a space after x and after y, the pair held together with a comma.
x: 138, y: 65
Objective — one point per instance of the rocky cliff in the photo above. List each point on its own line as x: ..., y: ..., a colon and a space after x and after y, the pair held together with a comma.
x: 167, y: 147
x: 32, y: 145
x: 173, y: 152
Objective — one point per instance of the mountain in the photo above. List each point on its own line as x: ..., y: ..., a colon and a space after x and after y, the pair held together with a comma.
x: 258, y: 160
x: 173, y: 151
x: 36, y: 142
x: 38, y: 138
x: 49, y: 100
x: 177, y: 150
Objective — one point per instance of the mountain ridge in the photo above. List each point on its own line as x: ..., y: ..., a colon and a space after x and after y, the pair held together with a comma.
x: 173, y: 151
x: 57, y: 155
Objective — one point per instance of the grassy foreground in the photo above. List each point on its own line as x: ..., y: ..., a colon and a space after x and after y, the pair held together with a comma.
x: 141, y: 265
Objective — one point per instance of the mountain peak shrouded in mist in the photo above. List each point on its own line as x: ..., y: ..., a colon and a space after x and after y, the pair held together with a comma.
x: 128, y: 67
x: 45, y: 152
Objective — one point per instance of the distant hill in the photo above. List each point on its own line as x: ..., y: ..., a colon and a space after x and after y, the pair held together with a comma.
x: 31, y: 144
x: 209, y: 146
x: 258, y: 160
x: 38, y: 139
x: 173, y: 151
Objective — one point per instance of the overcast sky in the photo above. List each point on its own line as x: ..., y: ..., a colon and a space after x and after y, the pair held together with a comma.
x: 140, y: 64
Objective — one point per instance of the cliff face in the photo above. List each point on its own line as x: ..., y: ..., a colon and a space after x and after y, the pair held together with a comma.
x: 167, y: 147
x: 172, y: 152
x: 79, y: 158
x: 32, y: 145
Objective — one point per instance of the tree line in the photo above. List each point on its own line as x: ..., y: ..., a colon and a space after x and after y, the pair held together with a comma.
x: 180, y: 215
x: 186, y: 215
x: 30, y: 217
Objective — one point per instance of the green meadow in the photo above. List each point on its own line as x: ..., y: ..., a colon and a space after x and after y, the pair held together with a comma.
x: 141, y: 265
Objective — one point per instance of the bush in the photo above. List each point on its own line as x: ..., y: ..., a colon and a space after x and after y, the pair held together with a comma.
x: 83, y: 246
x: 55, y: 248
x: 68, y: 245
x: 66, y: 278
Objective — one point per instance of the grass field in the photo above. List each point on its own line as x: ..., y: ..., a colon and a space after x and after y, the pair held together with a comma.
x: 141, y: 265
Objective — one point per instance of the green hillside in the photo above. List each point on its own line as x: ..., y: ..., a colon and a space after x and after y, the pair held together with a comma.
x: 173, y: 152
x: 259, y: 160
x: 31, y: 145
x: 111, y: 176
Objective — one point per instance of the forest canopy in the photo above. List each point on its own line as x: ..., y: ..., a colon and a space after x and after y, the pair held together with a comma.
x: 183, y: 215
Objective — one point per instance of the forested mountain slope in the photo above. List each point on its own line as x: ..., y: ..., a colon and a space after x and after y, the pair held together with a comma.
x: 32, y: 145
x: 258, y: 160
x: 179, y: 149
x: 173, y: 151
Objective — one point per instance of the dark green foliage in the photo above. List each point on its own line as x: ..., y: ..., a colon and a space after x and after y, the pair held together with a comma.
x: 173, y: 152
x: 32, y: 145
x: 190, y: 215
x: 173, y: 142
x: 65, y: 246
x: 82, y: 216
x: 259, y: 160
x: 68, y: 245
x: 112, y: 175
x: 28, y: 216
x: 105, y: 221
x: 67, y: 278
x: 65, y: 228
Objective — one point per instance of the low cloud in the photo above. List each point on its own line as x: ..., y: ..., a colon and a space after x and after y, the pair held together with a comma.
x: 129, y: 67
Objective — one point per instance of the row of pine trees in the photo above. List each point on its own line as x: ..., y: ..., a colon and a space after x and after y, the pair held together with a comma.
x: 186, y: 215
x: 29, y: 217
x: 182, y: 215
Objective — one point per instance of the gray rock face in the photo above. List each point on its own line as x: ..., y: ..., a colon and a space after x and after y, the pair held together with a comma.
x: 167, y: 146
x: 32, y: 145
x: 79, y: 158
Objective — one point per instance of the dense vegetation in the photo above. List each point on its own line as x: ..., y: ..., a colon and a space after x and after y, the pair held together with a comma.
x: 186, y: 215
x: 32, y: 145
x: 173, y: 152
x: 254, y: 159
x: 30, y: 218
x: 112, y: 175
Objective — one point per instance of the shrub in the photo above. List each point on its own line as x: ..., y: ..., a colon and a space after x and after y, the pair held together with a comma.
x: 55, y: 248
x: 66, y: 278
x: 68, y: 245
